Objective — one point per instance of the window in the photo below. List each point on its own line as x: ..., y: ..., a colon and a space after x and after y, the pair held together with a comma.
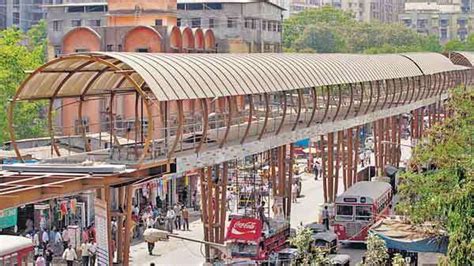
x: 82, y: 50
x: 94, y: 22
x: 119, y: 48
x: 141, y: 50
x: 363, y: 213
x: 254, y: 23
x: 194, y: 7
x: 75, y: 9
x: 344, y: 212
x: 213, y: 6
x: 264, y: 25
x: 158, y: 22
x: 98, y: 8
x: 247, y: 23
x: 279, y: 27
x: 110, y: 47
x: 180, y: 6
x: 195, y: 22
x: 57, y: 51
x: 444, y: 34
x: 16, y: 3
x: 443, y: 22
x: 76, y: 22
x: 57, y: 25
x: 232, y: 22
x: 211, y: 23
x: 407, y: 22
x: 269, y: 25
x: 178, y: 22
x: 16, y: 18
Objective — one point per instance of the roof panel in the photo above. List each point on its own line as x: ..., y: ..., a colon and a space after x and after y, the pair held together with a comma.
x: 185, y: 76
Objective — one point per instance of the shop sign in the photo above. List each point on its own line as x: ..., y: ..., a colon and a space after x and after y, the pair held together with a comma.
x: 8, y: 217
x: 248, y: 229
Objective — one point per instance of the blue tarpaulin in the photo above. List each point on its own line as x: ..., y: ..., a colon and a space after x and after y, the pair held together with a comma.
x: 430, y: 244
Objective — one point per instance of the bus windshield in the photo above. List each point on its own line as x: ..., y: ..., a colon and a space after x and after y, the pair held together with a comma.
x: 344, y: 212
x: 363, y: 213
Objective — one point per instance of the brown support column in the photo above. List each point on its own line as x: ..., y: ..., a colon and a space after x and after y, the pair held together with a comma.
x: 128, y: 224
x: 217, y: 204
x: 274, y: 159
x: 323, y: 166
x: 387, y: 140
x: 330, y: 176
x: 338, y: 164
x: 399, y: 139
x: 204, y: 207
x: 224, y: 180
x: 350, y: 157
x: 356, y: 155
x: 380, y: 146
x: 121, y: 203
x: 422, y: 122
x: 211, y: 201
x: 289, y: 182
x: 342, y: 144
x: 393, y: 141
x: 376, y: 146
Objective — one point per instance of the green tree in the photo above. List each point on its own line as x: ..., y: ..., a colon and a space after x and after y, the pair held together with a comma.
x: 377, y: 253
x: 303, y: 241
x: 332, y: 30
x: 454, y: 45
x: 444, y: 195
x: 20, y: 52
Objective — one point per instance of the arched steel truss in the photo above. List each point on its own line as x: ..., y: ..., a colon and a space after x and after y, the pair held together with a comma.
x: 234, y: 98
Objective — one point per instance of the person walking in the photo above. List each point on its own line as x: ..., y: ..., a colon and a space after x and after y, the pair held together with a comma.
x: 70, y: 256
x: 85, y: 253
x: 170, y: 216
x: 316, y: 170
x: 151, y: 246
x: 92, y: 252
x: 49, y: 254
x: 185, y: 214
x: 40, y: 261
x: 177, y: 212
x: 294, y: 192
x: 325, y: 215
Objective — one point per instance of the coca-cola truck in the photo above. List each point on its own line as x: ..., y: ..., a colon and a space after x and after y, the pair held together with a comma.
x: 247, y: 238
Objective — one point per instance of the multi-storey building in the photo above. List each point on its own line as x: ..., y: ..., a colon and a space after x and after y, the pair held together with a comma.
x: 239, y: 26
x: 374, y: 10
x: 296, y: 6
x: 448, y: 19
x: 21, y: 13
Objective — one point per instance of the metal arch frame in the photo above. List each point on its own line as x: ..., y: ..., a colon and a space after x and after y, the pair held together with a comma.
x: 328, y: 97
x: 370, y: 97
x: 205, y: 124
x: 249, y: 122
x: 179, y: 131
x: 393, y: 94
x: 228, y: 99
x: 350, y: 101
x: 90, y: 59
x: 377, y: 82
x: 315, y: 106
x: 300, y: 99
x: 267, y: 114
x: 285, y: 103
x: 362, y: 91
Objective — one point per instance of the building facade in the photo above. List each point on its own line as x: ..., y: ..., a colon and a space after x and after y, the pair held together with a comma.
x: 21, y: 13
x: 449, y: 20
x: 239, y: 26
x: 385, y: 11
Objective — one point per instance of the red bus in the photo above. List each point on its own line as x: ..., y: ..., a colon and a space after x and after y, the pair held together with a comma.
x: 15, y: 250
x: 359, y: 207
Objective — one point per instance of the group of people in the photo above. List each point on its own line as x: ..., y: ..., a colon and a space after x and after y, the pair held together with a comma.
x: 176, y: 216
x: 51, y: 243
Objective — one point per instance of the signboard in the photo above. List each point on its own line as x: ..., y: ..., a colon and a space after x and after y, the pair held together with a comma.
x: 246, y: 229
x: 8, y: 218
x: 102, y: 234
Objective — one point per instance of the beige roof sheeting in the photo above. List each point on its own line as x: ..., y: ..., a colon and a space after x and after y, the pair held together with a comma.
x: 191, y: 76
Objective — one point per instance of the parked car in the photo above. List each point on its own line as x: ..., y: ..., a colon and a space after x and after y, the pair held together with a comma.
x: 323, y: 238
x: 287, y: 256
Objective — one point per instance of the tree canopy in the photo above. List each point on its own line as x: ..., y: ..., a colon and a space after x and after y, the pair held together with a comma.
x: 20, y: 52
x: 330, y: 30
x: 444, y: 195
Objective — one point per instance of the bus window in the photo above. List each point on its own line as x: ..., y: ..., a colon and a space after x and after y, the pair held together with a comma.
x: 344, y: 212
x: 363, y: 213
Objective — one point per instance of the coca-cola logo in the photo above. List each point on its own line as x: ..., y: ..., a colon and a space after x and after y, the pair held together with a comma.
x: 247, y: 226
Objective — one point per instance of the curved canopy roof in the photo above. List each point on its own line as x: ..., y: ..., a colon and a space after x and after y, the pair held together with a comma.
x: 191, y: 76
x: 462, y: 58
x: 431, y: 63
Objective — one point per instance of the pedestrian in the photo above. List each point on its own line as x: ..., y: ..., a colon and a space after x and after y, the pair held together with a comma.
x: 85, y: 253
x: 316, y: 170
x: 151, y: 246
x: 65, y: 237
x: 159, y: 203
x: 194, y: 200
x: 177, y: 212
x: 70, y: 256
x: 49, y: 255
x: 261, y: 213
x: 325, y: 215
x: 185, y: 214
x: 45, y: 238
x: 92, y: 252
x: 294, y: 192
x: 170, y: 216
x: 40, y: 261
